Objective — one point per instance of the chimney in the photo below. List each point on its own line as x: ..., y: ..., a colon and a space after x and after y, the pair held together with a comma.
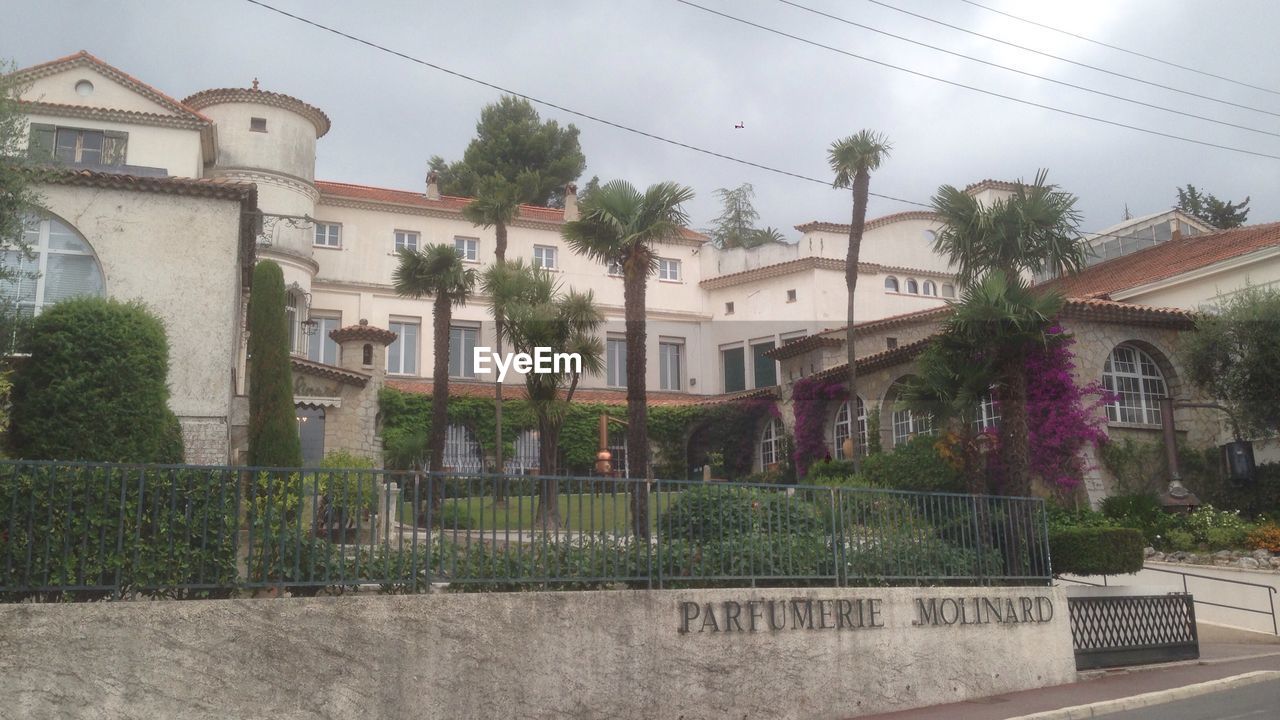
x: 570, y: 202
x: 433, y: 185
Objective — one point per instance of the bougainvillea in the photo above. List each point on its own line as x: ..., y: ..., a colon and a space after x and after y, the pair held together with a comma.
x: 809, y: 401
x: 1062, y: 416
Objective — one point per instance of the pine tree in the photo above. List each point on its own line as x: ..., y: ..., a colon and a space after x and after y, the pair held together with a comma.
x: 273, y: 424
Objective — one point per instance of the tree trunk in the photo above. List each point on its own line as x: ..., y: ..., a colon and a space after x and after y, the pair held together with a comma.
x: 548, y: 514
x: 634, y: 286
x: 500, y: 491
x: 1015, y: 451
x: 443, y: 312
x: 861, y: 184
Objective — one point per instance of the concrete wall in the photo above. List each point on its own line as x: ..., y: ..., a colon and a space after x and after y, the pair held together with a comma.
x: 179, y: 256
x: 521, y: 655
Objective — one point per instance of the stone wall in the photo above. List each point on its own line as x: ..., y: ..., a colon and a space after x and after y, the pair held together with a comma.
x: 838, y: 653
x: 205, y: 441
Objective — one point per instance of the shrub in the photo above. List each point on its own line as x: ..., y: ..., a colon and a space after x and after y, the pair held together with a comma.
x: 718, y: 512
x: 1143, y: 513
x: 1095, y: 551
x: 273, y: 424
x: 148, y: 532
x: 1264, y: 537
x: 914, y: 465
x: 834, y: 472
x: 95, y: 386
x: 349, y: 489
x: 1208, y: 524
x: 1178, y: 541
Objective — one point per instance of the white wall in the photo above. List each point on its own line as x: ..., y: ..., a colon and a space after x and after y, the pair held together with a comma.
x: 176, y: 151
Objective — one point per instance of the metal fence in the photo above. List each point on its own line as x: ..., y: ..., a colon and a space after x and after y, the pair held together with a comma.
x: 80, y: 531
x: 1114, y: 630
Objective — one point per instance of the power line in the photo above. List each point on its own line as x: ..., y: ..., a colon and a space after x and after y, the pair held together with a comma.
x: 973, y: 88
x: 1059, y: 58
x: 1124, y: 50
x: 1063, y: 83
x: 562, y: 108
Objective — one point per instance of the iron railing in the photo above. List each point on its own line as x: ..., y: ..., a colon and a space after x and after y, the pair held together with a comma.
x: 84, y: 531
x: 1114, y: 630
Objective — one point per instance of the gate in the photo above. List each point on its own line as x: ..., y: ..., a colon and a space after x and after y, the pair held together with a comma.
x: 1113, y: 630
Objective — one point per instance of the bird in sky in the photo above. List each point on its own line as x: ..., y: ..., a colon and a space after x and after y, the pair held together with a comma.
x: 740, y: 125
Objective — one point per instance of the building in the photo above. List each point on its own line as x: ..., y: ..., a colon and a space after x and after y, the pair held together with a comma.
x: 173, y: 201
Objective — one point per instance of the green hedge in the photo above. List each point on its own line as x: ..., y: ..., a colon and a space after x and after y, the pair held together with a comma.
x: 1095, y: 550
x: 149, y: 532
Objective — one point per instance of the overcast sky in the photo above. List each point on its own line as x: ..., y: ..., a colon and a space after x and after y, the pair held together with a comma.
x: 672, y: 70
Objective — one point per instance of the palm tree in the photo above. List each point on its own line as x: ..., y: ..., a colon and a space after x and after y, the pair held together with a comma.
x: 437, y: 272
x: 620, y: 224
x: 540, y: 315
x: 496, y: 205
x: 1033, y: 232
x: 852, y: 159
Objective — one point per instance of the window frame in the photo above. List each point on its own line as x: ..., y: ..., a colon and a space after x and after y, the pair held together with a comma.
x: 1148, y: 408
x: 42, y: 227
x: 664, y: 267
x: 664, y: 372
x: 401, y: 238
x: 466, y: 367
x: 469, y: 250
x: 336, y: 235
x: 913, y: 425
x: 615, y: 369
x: 399, y: 344
x: 863, y: 437
x: 891, y: 285
x: 321, y: 340
x: 770, y: 442
x: 541, y: 262
x: 912, y: 287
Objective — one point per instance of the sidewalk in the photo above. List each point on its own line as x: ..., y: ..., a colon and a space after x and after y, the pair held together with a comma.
x: 1217, y: 660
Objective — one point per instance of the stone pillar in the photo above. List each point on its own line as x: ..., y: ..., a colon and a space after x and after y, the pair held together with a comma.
x: 354, y: 425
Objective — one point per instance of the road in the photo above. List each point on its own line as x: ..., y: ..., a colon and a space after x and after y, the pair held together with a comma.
x: 1251, y: 702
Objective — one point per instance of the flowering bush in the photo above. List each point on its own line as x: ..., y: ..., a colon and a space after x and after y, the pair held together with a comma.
x: 1062, y: 417
x: 809, y: 401
x: 1265, y: 537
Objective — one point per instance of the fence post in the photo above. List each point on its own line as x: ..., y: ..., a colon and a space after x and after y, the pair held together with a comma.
x: 837, y: 534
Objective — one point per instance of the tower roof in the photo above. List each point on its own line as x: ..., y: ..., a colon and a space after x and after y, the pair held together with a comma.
x: 219, y: 96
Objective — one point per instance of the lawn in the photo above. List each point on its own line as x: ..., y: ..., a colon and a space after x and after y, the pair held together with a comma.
x: 579, y: 512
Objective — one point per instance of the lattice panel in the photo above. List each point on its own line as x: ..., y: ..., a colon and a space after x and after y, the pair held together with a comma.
x: 1132, y: 622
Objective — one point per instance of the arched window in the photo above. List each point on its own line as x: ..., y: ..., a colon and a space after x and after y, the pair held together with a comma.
x: 1137, y: 383
x: 771, y: 443
x: 462, y: 450
x: 929, y: 236
x: 63, y: 266
x: 842, y: 429
x: 987, y: 415
x: 948, y: 290
x: 907, y: 424
x: 912, y: 286
x: 891, y: 284
x: 929, y: 288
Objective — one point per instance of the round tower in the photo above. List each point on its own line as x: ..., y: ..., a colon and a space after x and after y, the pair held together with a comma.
x: 269, y: 139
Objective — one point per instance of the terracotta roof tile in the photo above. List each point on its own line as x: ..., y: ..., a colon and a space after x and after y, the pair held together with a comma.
x: 215, y: 96
x: 331, y: 372
x: 989, y: 184
x: 1163, y: 261
x: 811, y: 263
x: 363, y: 331
x: 870, y: 224
x: 583, y: 395
x: 223, y: 188
x: 84, y: 57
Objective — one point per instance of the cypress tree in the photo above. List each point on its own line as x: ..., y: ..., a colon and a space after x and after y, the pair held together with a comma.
x: 273, y: 424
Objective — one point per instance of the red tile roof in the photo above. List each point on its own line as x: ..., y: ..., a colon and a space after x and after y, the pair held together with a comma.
x: 363, y: 331
x: 582, y: 395
x: 1163, y: 261
x: 83, y: 57
x: 870, y: 224
x: 448, y: 203
x: 222, y: 188
x: 989, y: 184
x: 216, y: 96
x: 330, y: 372
x: 804, y: 264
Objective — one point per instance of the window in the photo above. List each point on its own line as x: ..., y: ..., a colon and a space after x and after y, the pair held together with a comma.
x: 734, y: 363
x: 77, y: 145
x: 614, y: 268
x: 891, y: 343
x: 929, y: 288
x: 257, y: 125
x: 1137, y: 383
x: 791, y: 296
x: 891, y: 284
x: 321, y: 347
x: 948, y: 290
x: 615, y: 362
x: 468, y: 248
x: 728, y: 308
x: 842, y: 429
x: 668, y: 269
x: 765, y: 368
x: 63, y: 267
x: 669, y: 364
x: 462, y: 450
x: 407, y: 240
x: 402, y: 353
x: 771, y: 443
x: 987, y: 414
x: 462, y: 351
x: 929, y: 236
x: 328, y: 235
x: 544, y: 256
x: 294, y: 307
x: 912, y: 287
x: 907, y: 424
